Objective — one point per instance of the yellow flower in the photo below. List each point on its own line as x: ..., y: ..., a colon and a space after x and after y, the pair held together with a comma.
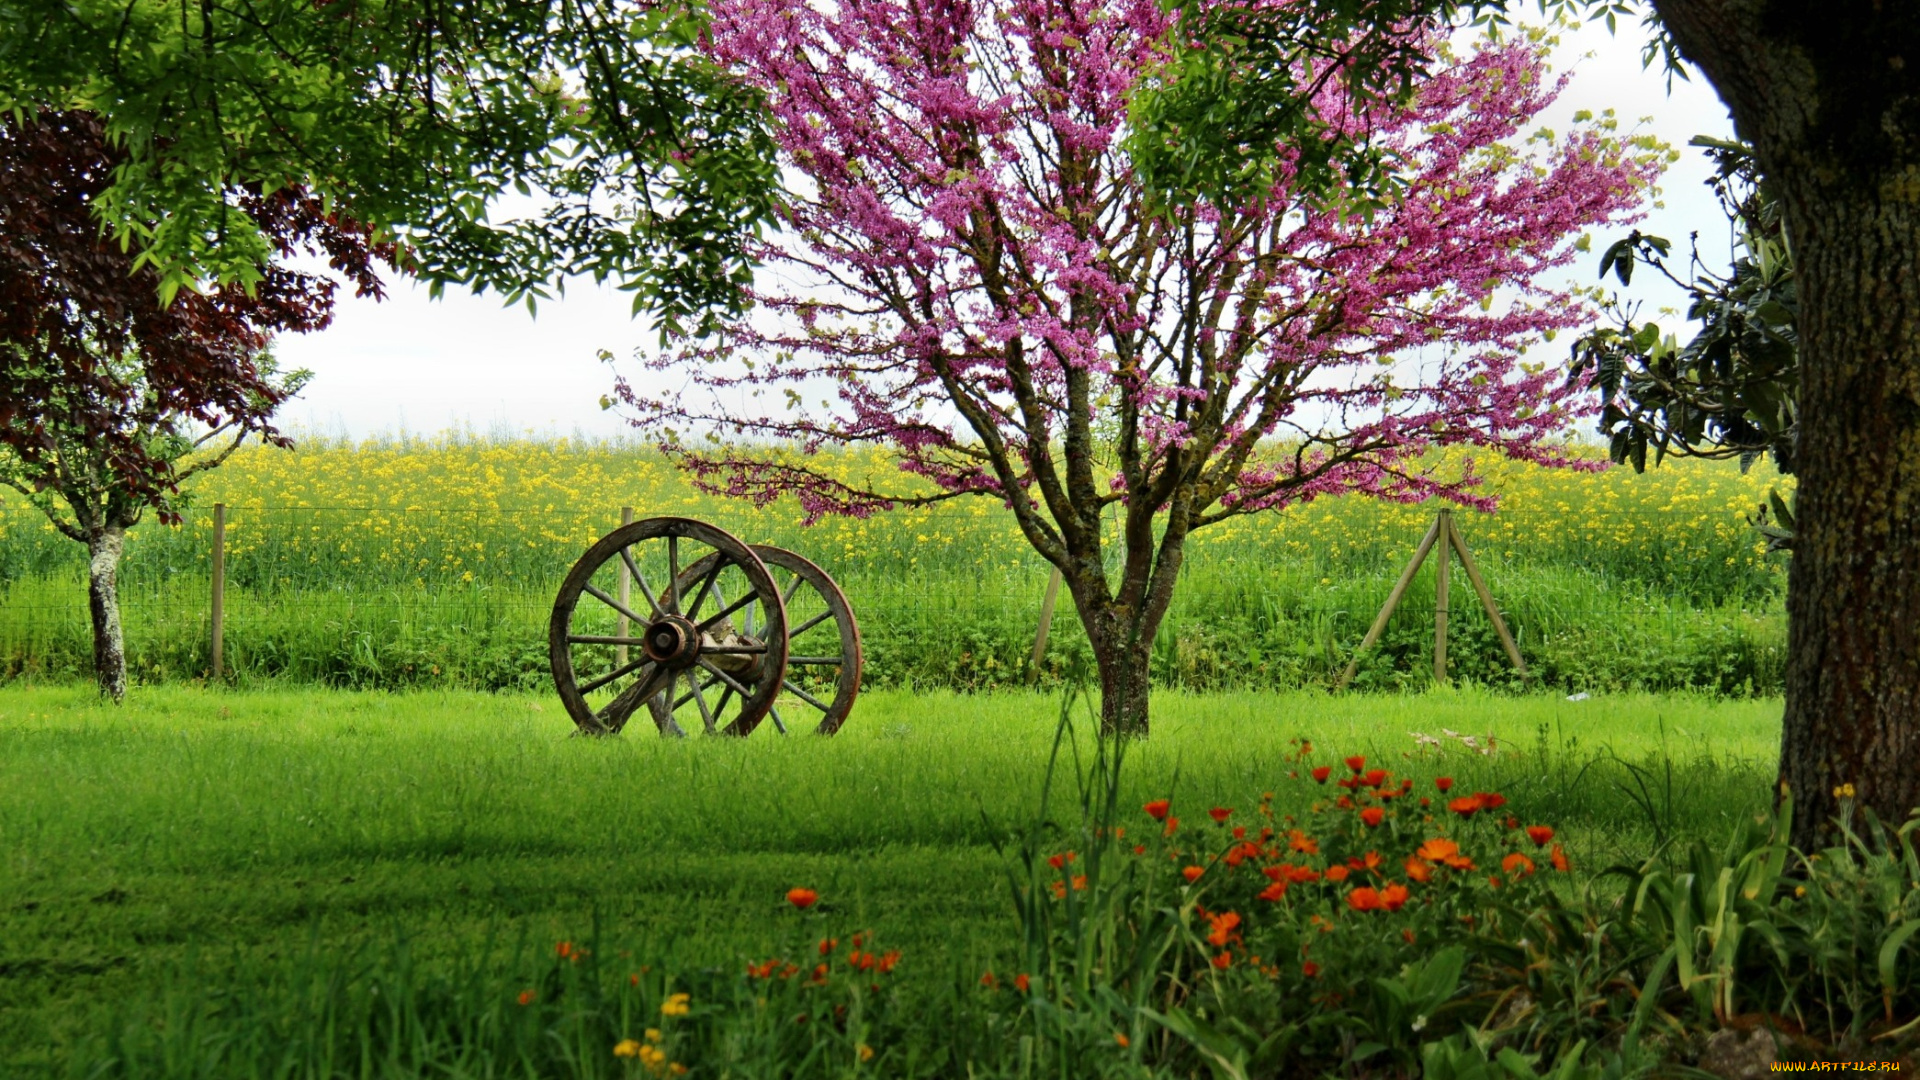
x: 675, y: 1005
x: 866, y: 1052
x: 653, y: 1035
x: 1844, y: 791
x: 626, y: 1048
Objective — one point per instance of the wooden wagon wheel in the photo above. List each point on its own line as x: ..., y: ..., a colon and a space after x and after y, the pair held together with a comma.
x: 609, y: 655
x: 823, y: 645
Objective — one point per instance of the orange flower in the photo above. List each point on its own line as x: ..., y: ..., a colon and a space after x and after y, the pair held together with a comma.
x: 526, y: 997
x: 1192, y: 873
x: 1374, y: 778
x: 1438, y: 849
x: 1079, y: 882
x: 1220, y: 814
x: 1173, y: 823
x: 888, y: 959
x: 802, y: 898
x: 1559, y: 859
x: 1274, y: 891
x: 828, y: 944
x: 1444, y: 783
x: 1540, y: 834
x: 1058, y: 861
x: 1466, y: 805
x: 1121, y: 1040
x: 1222, y: 927
x: 1370, y: 862
x: 1419, y: 869
x: 987, y: 980
x: 1517, y: 861
x: 1223, y: 961
x: 1021, y: 983
x: 1310, y: 969
x: 1139, y: 849
x: 565, y: 948
x: 820, y: 973
x: 1394, y: 896
x: 1490, y: 800
x: 1406, y: 934
x: 1157, y: 809
x: 1372, y: 816
x: 1364, y: 898
x: 1356, y: 763
x: 1321, y: 773
x: 1239, y: 832
x: 1302, y: 843
x: 1336, y: 873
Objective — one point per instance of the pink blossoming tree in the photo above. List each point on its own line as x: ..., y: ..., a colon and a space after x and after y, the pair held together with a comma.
x: 971, y: 272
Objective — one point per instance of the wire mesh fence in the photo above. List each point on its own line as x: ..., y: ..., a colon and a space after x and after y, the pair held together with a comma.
x: 1598, y: 597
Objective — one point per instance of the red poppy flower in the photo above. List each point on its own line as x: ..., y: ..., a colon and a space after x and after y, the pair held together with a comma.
x: 1559, y: 859
x: 1139, y: 849
x: 1192, y: 873
x: 1337, y: 873
x: 1239, y: 832
x: 1466, y: 805
x: 1173, y: 826
x: 888, y: 959
x: 1372, y: 816
x: 1321, y: 773
x: 1519, y: 862
x: 1394, y: 896
x: 987, y: 980
x: 1364, y: 898
x: 1223, y: 961
x: 1425, y: 802
x: 1220, y: 814
x: 565, y: 948
x: 827, y: 945
x: 1021, y: 983
x: 1444, y: 783
x: 1490, y: 800
x: 802, y: 898
x: 1375, y: 777
x: 1274, y: 891
x: 1157, y: 809
x: 1344, y: 803
x: 526, y: 997
x: 1540, y: 834
x: 1310, y: 969
x: 1356, y: 762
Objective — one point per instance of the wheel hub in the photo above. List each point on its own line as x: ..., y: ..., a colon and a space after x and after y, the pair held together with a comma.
x: 673, y: 641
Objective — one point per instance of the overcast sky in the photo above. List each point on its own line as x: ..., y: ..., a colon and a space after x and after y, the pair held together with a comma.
x: 411, y: 364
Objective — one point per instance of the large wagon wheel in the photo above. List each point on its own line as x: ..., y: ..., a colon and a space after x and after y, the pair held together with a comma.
x: 823, y: 646
x: 609, y: 655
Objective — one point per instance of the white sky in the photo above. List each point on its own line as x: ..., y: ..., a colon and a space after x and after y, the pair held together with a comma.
x: 411, y: 364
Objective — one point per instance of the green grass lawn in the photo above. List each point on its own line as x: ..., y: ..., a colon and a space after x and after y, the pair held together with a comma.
x: 199, y: 829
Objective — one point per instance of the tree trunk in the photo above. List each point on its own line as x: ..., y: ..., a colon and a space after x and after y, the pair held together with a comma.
x: 1825, y: 91
x: 1126, y: 684
x: 1853, y: 599
x: 103, y: 600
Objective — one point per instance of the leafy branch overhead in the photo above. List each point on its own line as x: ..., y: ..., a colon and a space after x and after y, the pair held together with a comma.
x: 1730, y: 391
x: 637, y: 160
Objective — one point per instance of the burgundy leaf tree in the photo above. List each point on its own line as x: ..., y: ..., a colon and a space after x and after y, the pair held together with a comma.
x: 971, y: 272
x: 109, y: 399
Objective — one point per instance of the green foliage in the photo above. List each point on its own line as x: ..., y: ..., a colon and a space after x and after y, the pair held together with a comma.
x: 420, y: 121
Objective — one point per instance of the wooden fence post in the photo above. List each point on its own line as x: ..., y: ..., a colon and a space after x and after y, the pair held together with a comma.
x: 1046, y: 623
x: 625, y: 586
x: 1393, y: 601
x: 1486, y: 601
x: 1440, y: 598
x: 219, y: 598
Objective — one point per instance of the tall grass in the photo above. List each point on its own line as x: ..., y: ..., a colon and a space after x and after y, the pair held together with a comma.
x: 434, y: 563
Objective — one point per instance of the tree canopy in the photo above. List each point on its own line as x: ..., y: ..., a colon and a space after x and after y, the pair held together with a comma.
x: 636, y: 160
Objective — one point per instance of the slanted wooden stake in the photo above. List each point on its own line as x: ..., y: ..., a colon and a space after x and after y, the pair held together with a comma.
x: 625, y: 588
x: 1443, y: 532
x: 219, y: 598
x: 1046, y: 623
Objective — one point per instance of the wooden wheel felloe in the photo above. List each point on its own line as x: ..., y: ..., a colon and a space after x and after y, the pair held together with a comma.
x: 612, y: 650
x: 823, y: 646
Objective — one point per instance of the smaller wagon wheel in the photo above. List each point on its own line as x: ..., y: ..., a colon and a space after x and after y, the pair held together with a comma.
x: 823, y: 646
x: 615, y: 641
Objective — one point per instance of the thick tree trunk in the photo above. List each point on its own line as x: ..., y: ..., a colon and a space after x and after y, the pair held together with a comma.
x: 1825, y: 90
x: 1126, y: 685
x: 103, y: 600
x: 1853, y: 601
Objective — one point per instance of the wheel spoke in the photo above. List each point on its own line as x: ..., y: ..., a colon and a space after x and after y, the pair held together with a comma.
x: 792, y: 587
x: 673, y: 574
x: 778, y: 724
x: 804, y: 696
x: 604, y: 639
x: 640, y: 579
x: 710, y: 623
x: 719, y: 563
x: 732, y: 683
x: 620, y: 709
x: 598, y: 594
x: 633, y: 665
x: 706, y: 714
x: 684, y: 698
x: 809, y: 624
x: 732, y: 650
x: 792, y: 660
